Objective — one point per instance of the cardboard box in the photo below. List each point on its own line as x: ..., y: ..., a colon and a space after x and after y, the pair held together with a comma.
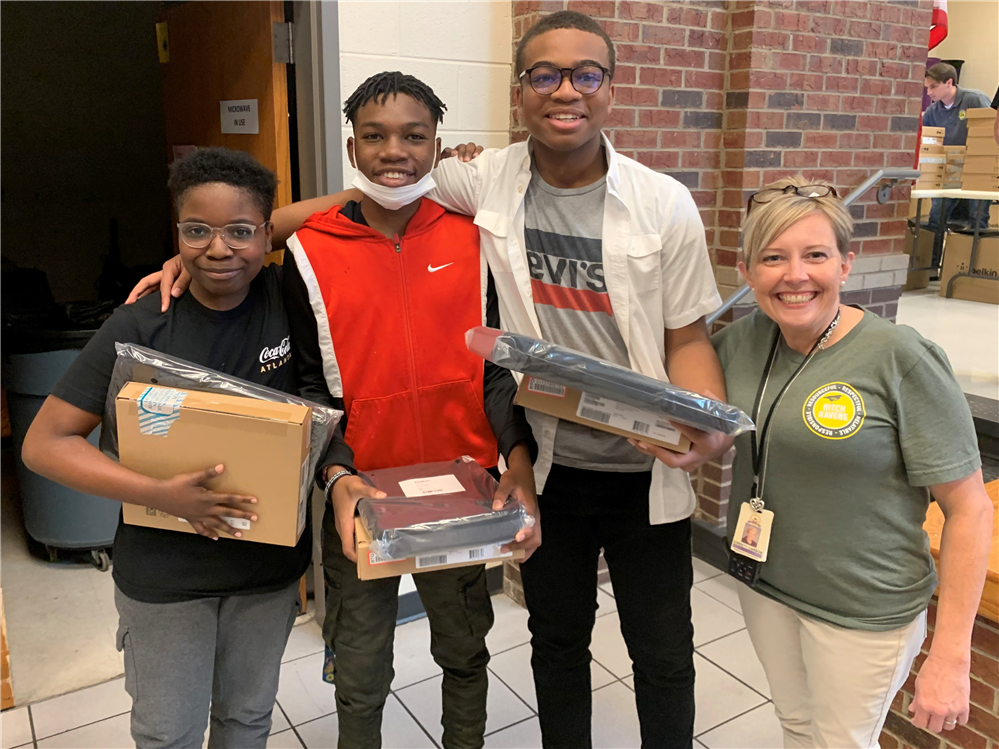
x: 599, y: 413
x: 264, y: 447
x: 929, y: 182
x: 980, y: 113
x: 932, y: 158
x: 957, y: 258
x: 372, y: 566
x: 981, y: 164
x: 933, y: 132
x: 919, y: 279
x: 925, y: 168
x: 955, y: 150
x: 982, y: 145
x: 982, y: 182
x: 928, y: 149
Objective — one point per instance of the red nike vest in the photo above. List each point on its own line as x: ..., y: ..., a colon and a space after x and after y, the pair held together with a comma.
x: 392, y: 321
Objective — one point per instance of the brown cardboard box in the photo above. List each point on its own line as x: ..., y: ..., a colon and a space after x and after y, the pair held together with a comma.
x: 981, y: 164
x: 982, y: 182
x: 982, y: 145
x: 264, y: 447
x: 930, y: 168
x: 957, y: 257
x: 930, y: 148
x: 599, y: 413
x: 955, y: 150
x: 920, y: 279
x: 933, y: 132
x: 980, y: 113
x: 371, y: 566
x: 929, y: 182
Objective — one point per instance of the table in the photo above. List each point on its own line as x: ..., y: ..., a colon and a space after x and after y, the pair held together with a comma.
x: 987, y: 196
x: 933, y: 526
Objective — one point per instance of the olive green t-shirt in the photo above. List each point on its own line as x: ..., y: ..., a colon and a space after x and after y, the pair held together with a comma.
x: 869, y: 424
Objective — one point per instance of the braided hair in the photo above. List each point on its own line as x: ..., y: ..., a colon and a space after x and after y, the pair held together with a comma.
x: 382, y: 85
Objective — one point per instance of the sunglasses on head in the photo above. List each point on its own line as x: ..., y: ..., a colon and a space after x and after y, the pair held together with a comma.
x: 768, y: 194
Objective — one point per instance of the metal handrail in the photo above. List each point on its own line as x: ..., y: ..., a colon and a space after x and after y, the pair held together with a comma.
x: 867, y: 184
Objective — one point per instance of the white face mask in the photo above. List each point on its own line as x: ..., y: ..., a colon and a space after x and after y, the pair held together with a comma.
x: 394, y: 198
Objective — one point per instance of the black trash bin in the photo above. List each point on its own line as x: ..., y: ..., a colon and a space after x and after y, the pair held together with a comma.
x: 54, y: 515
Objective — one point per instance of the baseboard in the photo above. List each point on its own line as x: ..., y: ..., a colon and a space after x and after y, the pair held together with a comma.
x: 709, y: 544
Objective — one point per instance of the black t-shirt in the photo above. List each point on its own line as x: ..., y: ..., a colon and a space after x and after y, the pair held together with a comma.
x: 159, y: 566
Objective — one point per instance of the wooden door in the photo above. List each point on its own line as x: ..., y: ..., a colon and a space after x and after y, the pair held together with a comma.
x: 222, y: 52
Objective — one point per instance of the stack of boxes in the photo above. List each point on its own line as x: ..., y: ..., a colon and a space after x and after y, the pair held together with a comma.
x: 981, y: 163
x: 954, y: 167
x: 932, y: 160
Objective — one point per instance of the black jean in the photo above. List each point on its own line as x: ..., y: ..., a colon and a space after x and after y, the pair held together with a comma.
x: 651, y: 571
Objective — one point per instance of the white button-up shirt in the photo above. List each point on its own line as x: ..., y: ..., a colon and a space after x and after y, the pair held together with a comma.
x: 656, y: 267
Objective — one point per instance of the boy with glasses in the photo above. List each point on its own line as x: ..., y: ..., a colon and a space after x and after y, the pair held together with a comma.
x: 204, y: 619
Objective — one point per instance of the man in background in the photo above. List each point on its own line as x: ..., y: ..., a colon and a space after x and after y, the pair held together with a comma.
x: 949, y: 111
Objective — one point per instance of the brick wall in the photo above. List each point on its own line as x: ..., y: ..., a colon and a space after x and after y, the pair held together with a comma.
x: 726, y: 96
x: 982, y: 730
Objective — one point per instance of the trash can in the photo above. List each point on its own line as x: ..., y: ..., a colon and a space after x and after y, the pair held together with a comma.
x: 54, y: 515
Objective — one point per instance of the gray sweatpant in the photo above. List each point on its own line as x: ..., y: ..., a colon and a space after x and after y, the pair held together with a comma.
x: 212, y: 656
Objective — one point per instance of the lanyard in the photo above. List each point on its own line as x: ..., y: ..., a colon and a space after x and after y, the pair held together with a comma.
x: 761, y: 449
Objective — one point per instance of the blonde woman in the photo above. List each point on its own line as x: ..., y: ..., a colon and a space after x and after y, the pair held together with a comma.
x: 860, y: 423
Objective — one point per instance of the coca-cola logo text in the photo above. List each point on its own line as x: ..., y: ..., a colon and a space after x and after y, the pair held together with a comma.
x: 282, y: 349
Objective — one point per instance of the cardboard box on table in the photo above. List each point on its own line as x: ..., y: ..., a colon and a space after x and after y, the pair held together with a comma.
x: 981, y: 145
x: 264, y: 447
x: 981, y: 165
x: 957, y: 259
x: 981, y: 182
x: 932, y: 132
x: 599, y: 413
x: 372, y: 566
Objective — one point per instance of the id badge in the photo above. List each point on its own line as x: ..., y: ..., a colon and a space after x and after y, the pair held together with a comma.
x: 752, y: 533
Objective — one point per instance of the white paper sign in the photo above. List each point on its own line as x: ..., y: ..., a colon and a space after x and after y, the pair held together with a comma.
x: 448, y: 484
x: 240, y: 116
x: 628, y: 418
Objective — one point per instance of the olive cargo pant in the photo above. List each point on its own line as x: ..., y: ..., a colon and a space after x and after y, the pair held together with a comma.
x: 359, y: 630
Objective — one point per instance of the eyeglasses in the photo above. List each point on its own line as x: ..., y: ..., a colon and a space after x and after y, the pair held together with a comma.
x: 547, y: 79
x: 768, y: 194
x: 236, y: 236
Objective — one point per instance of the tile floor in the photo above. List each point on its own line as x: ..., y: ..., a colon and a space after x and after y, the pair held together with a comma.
x: 967, y: 331
x: 61, y: 618
x: 733, y: 708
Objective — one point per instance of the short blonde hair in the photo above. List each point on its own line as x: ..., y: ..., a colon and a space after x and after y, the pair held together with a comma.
x: 767, y: 221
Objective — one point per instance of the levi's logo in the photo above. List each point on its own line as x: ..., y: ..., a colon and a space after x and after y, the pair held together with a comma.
x: 272, y: 358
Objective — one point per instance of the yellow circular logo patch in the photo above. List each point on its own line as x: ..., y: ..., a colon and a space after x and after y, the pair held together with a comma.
x: 962, y: 115
x: 834, y: 411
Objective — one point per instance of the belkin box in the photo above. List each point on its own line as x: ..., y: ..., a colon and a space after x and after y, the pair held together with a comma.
x: 263, y: 445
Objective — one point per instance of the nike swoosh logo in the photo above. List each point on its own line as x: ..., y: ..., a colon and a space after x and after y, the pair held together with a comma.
x: 432, y: 269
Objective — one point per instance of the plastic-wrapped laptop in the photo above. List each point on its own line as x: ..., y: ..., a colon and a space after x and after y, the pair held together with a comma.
x: 136, y: 363
x: 436, y: 508
x: 589, y: 374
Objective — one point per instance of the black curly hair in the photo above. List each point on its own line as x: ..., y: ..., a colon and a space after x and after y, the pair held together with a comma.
x: 382, y: 85
x: 564, y: 19
x: 236, y: 168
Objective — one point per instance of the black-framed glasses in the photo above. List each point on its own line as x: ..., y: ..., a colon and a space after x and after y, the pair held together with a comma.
x: 769, y: 194
x: 547, y: 79
x: 236, y: 236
